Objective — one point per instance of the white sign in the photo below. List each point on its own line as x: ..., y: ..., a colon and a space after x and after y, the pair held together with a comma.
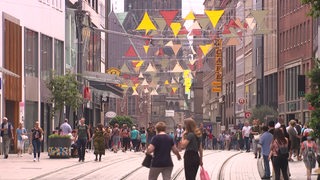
x: 111, y: 114
x: 169, y: 113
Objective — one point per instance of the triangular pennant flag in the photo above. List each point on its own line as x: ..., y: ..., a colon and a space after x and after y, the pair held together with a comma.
x: 146, y: 48
x: 233, y: 42
x: 161, y: 24
x: 154, y: 93
x: 163, y: 90
x: 183, y: 31
x: 226, y: 30
x: 196, y: 32
x: 170, y: 44
x: 249, y: 20
x: 121, y: 16
x: 160, y: 52
x: 233, y: 24
x: 239, y: 23
x: 164, y: 63
x: 177, y: 68
x: 146, y: 24
x: 176, y: 48
x: 195, y: 25
x: 175, y: 27
x: 191, y: 67
x: 252, y: 26
x: 144, y: 82
x: 150, y: 68
x: 205, y: 48
x: 192, y: 61
x: 214, y: 16
x: 131, y: 52
x: 140, y: 75
x: 190, y: 16
x: 134, y: 63
x: 140, y: 63
x: 166, y: 82
x: 169, y: 15
x: 259, y: 16
x: 203, y: 22
x: 174, y: 89
x: 124, y: 69
x: 146, y: 90
x: 173, y: 81
x: 135, y: 93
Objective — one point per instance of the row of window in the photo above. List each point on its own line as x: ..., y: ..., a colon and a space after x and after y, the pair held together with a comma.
x: 288, y: 6
x: 57, y: 4
x: 295, y: 36
x: 47, y: 54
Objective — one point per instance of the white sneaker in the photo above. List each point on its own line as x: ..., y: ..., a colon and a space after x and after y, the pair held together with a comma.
x: 34, y: 159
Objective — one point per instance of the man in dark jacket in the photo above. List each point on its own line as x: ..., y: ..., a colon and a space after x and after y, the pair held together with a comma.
x: 6, y: 134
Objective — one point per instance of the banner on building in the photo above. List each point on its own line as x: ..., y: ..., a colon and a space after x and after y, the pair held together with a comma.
x: 217, y: 84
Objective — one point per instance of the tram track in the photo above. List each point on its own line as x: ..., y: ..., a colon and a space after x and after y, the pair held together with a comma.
x: 222, y: 168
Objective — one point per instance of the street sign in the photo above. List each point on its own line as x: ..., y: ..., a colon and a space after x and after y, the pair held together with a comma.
x: 110, y: 114
x: 241, y: 101
x: 247, y: 114
x: 216, y: 89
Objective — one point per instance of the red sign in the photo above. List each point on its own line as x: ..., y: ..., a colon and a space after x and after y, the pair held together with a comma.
x: 247, y: 114
x: 241, y: 101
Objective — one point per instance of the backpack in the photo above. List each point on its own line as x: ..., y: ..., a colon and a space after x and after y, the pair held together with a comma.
x: 283, y: 151
x: 310, y: 153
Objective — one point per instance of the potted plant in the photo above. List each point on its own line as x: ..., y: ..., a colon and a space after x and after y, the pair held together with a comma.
x: 59, y: 146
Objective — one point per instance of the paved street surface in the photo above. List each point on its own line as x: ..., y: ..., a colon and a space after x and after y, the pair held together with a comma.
x: 227, y: 165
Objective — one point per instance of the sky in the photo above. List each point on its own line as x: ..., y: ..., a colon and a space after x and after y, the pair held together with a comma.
x: 187, y: 5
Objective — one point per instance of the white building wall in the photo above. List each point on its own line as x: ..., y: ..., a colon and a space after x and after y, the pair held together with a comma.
x: 43, y: 16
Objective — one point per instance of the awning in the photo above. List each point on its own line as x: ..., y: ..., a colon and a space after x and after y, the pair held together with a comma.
x: 102, y: 77
x: 106, y: 89
x: 6, y: 71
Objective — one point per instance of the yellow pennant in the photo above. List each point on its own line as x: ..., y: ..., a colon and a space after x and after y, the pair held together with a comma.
x: 146, y: 24
x: 174, y: 89
x: 190, y: 16
x: 205, y: 48
x: 175, y: 28
x: 214, y: 16
x: 146, y: 49
x: 166, y: 82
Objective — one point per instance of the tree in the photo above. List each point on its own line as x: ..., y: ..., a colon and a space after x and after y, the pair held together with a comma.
x: 263, y: 112
x: 314, y: 98
x: 64, y: 92
x: 315, y: 7
x: 122, y: 120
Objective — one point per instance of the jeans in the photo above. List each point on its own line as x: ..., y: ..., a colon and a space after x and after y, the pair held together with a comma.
x: 6, y: 144
x: 82, y: 148
x: 191, y: 164
x: 266, y: 166
x: 246, y: 140
x: 36, y: 147
x: 280, y: 163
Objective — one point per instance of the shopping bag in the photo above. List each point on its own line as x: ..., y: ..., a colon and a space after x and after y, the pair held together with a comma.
x: 30, y: 149
x: 204, y: 174
x: 147, y: 161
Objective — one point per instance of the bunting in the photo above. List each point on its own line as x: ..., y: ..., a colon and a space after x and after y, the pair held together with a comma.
x: 131, y: 52
x: 169, y: 15
x: 214, y: 16
x: 146, y: 24
x: 175, y: 27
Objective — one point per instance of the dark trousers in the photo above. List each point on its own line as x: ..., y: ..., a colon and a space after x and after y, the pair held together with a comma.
x: 191, y: 164
x: 266, y: 166
x: 125, y: 143
x: 82, y: 148
x: 36, y: 147
x: 280, y: 163
x: 135, y: 144
x: 247, y: 142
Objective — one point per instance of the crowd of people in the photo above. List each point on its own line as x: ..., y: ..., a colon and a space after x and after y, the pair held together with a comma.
x: 272, y: 141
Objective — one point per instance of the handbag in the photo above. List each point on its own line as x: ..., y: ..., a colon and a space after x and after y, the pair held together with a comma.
x: 147, y: 161
x: 204, y: 174
x: 256, y: 137
x: 24, y: 137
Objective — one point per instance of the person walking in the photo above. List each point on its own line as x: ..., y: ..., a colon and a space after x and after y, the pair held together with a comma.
x: 246, y: 135
x: 191, y: 141
x: 7, y: 135
x: 255, y: 132
x: 265, y: 141
x: 294, y: 139
x: 21, y: 133
x: 65, y: 128
x: 125, y: 135
x: 37, y: 137
x: 115, y: 137
x: 161, y: 145
x: 99, y: 141
x: 279, y: 154
x: 83, y: 138
x: 178, y: 135
x: 308, y: 151
x: 135, y: 135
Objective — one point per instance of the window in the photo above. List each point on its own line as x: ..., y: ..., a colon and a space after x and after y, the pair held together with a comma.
x: 112, y: 105
x: 58, y: 57
x: 31, y: 53
x: 131, y: 105
x: 45, y: 56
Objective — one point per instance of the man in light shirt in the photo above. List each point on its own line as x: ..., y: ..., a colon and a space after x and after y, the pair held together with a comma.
x: 246, y: 135
x: 65, y: 128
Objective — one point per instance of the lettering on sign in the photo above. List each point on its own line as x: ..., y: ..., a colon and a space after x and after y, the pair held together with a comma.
x: 218, y: 52
x: 218, y: 61
x: 218, y: 68
x: 216, y: 89
x: 218, y: 76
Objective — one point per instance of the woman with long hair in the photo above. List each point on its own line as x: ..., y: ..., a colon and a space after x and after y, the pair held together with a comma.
x: 279, y: 154
x: 37, y: 137
x: 21, y: 132
x: 308, y: 151
x: 191, y: 141
x: 161, y: 145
